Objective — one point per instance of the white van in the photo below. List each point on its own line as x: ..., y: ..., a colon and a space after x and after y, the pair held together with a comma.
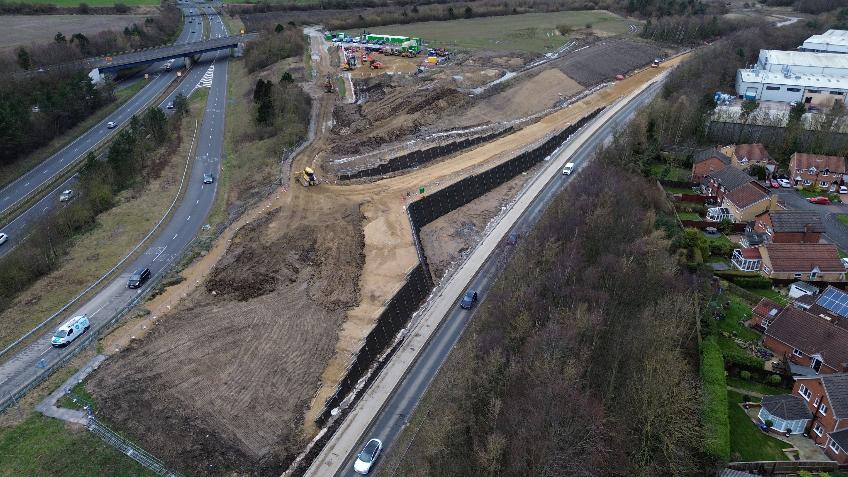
x: 568, y: 169
x: 70, y: 330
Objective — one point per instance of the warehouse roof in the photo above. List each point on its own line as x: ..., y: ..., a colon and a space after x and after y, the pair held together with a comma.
x: 830, y: 37
x: 802, y: 80
x: 805, y: 58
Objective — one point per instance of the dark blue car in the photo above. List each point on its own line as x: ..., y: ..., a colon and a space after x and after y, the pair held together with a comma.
x: 468, y: 300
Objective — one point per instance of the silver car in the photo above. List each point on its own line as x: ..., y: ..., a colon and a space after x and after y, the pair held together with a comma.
x: 365, y: 459
x: 66, y: 195
x: 3, y: 238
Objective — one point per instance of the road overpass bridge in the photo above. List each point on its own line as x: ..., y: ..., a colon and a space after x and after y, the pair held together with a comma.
x: 110, y: 64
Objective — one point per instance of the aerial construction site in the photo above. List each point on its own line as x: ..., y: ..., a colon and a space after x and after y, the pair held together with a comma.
x: 237, y: 367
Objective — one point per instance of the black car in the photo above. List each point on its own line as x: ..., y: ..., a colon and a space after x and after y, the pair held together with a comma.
x: 468, y: 300
x: 138, y: 278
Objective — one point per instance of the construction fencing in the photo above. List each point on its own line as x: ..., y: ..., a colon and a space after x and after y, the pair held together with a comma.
x: 421, y: 156
x: 419, y: 281
x: 131, y: 450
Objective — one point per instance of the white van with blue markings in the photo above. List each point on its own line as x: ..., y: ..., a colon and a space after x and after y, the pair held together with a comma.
x: 70, y: 330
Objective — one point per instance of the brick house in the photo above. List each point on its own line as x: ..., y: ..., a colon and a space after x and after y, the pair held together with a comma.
x: 812, y: 344
x: 826, y: 397
x: 790, y: 226
x: 718, y: 184
x: 747, y: 201
x: 743, y: 156
x: 706, y: 162
x: 764, y: 314
x: 831, y: 305
x: 802, y: 261
x: 816, y: 169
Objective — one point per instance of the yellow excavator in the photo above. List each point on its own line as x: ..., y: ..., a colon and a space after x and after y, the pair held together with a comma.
x: 307, y: 177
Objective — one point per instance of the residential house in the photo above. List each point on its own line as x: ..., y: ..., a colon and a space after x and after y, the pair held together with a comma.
x: 706, y: 162
x: 812, y: 344
x: 719, y: 183
x: 790, y: 226
x: 747, y: 259
x: 826, y: 398
x: 764, y: 314
x: 802, y: 261
x: 787, y: 413
x: 816, y: 169
x: 747, y: 201
x: 832, y: 305
x: 744, y: 156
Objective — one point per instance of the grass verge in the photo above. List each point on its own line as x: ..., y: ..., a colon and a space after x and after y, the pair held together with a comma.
x: 842, y: 218
x: 98, y: 250
x: 747, y: 441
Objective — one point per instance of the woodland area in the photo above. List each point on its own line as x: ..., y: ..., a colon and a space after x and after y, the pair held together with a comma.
x: 583, y: 359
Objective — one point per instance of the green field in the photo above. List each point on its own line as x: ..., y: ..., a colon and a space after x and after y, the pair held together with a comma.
x: 534, y: 32
x: 93, y: 3
x: 747, y: 441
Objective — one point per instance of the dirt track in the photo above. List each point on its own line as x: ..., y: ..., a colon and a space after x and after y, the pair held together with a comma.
x: 235, y: 374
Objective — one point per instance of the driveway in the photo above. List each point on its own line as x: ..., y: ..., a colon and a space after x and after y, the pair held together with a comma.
x: 835, y: 230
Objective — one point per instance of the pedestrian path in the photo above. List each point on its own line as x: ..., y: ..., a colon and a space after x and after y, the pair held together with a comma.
x: 48, y: 405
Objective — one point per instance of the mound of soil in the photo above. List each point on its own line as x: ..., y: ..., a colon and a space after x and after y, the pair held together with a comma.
x: 222, y: 384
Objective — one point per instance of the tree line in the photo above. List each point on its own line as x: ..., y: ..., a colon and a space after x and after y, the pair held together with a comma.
x: 276, y: 43
x: 135, y: 157
x: 23, y: 8
x: 282, y: 109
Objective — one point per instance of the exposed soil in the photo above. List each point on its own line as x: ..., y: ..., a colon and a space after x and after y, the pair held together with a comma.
x: 449, y: 238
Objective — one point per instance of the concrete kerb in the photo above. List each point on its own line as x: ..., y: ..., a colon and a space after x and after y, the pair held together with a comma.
x: 167, y: 213
x: 437, y: 306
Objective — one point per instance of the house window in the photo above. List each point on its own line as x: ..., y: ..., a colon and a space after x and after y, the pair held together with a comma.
x: 835, y: 447
x: 799, y: 275
x: 805, y: 393
x: 814, y: 91
x: 823, y: 409
x: 773, y: 88
x: 794, y: 90
x: 819, y: 430
x: 797, y: 352
x: 813, y: 275
x: 817, y: 401
x: 824, y: 183
x: 826, y: 172
x: 837, y: 93
x: 808, y: 182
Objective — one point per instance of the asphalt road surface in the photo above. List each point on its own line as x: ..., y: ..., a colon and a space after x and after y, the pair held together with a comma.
x: 189, y: 216
x: 29, y: 183
x: 403, y: 401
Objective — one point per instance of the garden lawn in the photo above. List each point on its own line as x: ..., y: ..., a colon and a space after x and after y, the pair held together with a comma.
x: 738, y: 310
x: 769, y: 293
x: 689, y: 216
x: 756, y: 387
x: 671, y: 173
x: 747, y: 442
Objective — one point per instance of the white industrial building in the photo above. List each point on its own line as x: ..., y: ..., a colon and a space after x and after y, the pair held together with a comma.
x: 801, y: 62
x: 831, y: 41
x: 817, y: 90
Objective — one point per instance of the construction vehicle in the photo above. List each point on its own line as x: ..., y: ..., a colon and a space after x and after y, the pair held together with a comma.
x: 376, y: 65
x: 307, y: 177
x: 328, y: 84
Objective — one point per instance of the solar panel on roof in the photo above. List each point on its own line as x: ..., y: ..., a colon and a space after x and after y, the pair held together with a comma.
x: 835, y: 301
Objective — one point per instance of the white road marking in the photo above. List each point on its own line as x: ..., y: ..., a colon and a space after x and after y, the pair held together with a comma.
x: 160, y: 253
x: 187, y: 218
x: 174, y: 237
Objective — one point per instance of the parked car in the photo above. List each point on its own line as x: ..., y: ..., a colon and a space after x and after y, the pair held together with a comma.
x: 819, y: 200
x: 774, y: 184
x: 784, y: 183
x: 365, y: 459
x: 843, y: 190
x: 208, y: 179
x: 138, y: 278
x: 468, y: 300
x: 110, y: 125
x: 66, y: 195
x: 3, y: 238
x: 70, y: 330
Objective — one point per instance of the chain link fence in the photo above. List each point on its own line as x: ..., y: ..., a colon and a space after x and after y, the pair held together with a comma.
x: 131, y: 450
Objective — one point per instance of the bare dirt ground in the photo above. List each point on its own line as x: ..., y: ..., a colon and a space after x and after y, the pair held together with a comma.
x: 447, y: 239
x: 24, y: 29
x: 233, y: 376
x: 607, y: 58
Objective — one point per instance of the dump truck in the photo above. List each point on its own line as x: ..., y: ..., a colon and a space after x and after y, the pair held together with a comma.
x: 307, y: 177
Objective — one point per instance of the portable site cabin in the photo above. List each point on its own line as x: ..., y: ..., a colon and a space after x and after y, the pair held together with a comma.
x: 389, y: 39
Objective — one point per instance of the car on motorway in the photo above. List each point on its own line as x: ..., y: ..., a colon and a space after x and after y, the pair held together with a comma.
x: 568, y: 169
x: 468, y: 300
x: 819, y: 200
x: 773, y: 184
x: 208, y: 178
x: 70, y: 330
x: 110, y: 125
x: 365, y: 459
x: 784, y: 183
x: 3, y: 238
x: 66, y: 195
x: 138, y: 278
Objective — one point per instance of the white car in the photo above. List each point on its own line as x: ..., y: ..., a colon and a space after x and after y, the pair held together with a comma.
x: 66, y: 195
x: 110, y: 125
x: 784, y: 183
x: 843, y: 190
x: 3, y: 238
x: 365, y: 459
